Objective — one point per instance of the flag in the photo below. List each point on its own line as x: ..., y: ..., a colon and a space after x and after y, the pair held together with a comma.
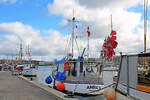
x: 88, y: 28
x: 89, y: 34
x: 88, y: 31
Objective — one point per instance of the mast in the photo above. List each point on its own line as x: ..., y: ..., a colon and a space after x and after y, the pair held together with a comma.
x: 145, y: 23
x: 73, y: 37
x: 145, y: 28
x: 73, y: 20
x: 20, y: 54
x: 28, y: 53
x: 88, y: 45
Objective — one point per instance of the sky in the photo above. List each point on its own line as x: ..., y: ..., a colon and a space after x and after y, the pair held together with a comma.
x: 45, y: 26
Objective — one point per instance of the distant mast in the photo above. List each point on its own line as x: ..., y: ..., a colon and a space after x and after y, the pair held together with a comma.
x: 28, y: 53
x: 20, y: 54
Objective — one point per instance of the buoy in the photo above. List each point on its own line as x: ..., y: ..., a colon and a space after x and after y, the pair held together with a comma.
x: 68, y: 65
x: 60, y: 86
x: 48, y: 80
x: 110, y: 94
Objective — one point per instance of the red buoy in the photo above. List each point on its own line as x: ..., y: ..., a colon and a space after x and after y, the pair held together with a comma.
x: 60, y: 86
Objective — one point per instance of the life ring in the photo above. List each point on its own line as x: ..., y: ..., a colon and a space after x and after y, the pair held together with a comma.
x: 67, y: 68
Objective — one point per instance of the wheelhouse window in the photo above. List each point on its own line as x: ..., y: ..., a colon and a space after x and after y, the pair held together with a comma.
x: 60, y: 67
x: 144, y: 71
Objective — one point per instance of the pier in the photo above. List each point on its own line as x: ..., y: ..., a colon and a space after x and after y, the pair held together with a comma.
x: 18, y: 88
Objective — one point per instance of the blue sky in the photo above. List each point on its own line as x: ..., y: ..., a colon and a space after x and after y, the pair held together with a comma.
x: 38, y: 21
x: 33, y: 12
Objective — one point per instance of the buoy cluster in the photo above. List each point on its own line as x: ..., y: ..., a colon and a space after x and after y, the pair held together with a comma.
x: 60, y: 86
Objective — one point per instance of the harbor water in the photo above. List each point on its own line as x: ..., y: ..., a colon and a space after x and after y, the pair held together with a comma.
x: 44, y: 71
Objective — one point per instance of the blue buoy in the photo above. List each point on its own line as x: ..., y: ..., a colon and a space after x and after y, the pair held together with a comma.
x: 48, y: 80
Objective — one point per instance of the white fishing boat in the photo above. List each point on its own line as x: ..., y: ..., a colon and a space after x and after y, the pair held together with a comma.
x: 78, y: 79
x: 81, y: 75
x: 30, y: 69
x: 26, y: 68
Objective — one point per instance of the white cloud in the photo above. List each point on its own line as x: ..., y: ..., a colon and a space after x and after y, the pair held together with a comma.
x: 96, y: 13
x: 16, y: 32
x: 13, y: 1
x: 109, y: 3
x: 3, y: 1
x: 8, y: 1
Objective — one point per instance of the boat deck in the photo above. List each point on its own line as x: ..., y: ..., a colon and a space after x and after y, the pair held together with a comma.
x: 14, y: 88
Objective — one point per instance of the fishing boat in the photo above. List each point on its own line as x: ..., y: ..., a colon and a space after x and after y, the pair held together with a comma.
x: 26, y: 68
x: 18, y: 64
x: 30, y: 69
x: 77, y: 78
x: 78, y: 75
x: 133, y: 80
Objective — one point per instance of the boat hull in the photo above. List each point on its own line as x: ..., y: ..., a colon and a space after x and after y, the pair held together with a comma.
x: 136, y: 93
x: 32, y: 72
x: 83, y: 88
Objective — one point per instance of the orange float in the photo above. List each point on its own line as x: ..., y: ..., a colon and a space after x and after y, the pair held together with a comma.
x: 110, y: 94
x: 60, y: 86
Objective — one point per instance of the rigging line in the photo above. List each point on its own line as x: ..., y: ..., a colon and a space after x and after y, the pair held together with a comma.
x: 66, y: 47
x: 77, y: 46
x: 69, y: 44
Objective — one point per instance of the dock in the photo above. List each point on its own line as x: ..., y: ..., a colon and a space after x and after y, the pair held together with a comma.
x: 19, y: 88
